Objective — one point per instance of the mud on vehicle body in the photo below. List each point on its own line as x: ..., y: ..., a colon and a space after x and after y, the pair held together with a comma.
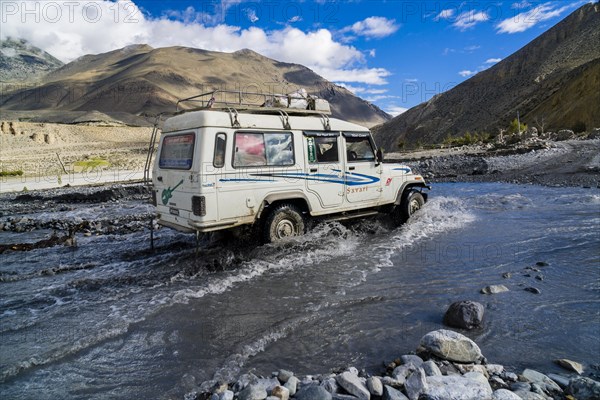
x: 274, y: 169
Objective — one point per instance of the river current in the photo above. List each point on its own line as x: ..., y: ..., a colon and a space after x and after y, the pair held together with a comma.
x: 111, y: 320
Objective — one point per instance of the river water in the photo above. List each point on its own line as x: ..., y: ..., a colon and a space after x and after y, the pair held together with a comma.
x: 111, y: 320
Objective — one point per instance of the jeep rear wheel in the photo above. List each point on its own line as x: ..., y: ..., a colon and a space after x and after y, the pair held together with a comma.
x: 283, y: 221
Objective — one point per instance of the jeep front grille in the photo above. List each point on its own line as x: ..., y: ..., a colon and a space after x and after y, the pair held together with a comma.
x: 199, y: 205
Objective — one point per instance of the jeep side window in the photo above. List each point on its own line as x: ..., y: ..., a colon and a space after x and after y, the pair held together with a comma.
x: 263, y: 149
x: 219, y: 157
x: 359, y: 149
x: 327, y: 149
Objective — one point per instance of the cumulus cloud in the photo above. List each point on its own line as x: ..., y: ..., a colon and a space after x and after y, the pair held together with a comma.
x: 372, y: 76
x: 465, y: 73
x: 373, y: 27
x: 394, y: 110
x: 528, y: 19
x: 69, y: 30
x: 445, y: 14
x: 493, y: 60
x: 469, y: 19
x: 521, y: 4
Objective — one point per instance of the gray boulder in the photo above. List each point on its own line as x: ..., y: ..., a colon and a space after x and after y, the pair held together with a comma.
x: 292, y: 385
x: 457, y: 388
x: 504, y: 394
x: 313, y: 392
x: 542, y: 380
x: 330, y: 385
x: 253, y: 392
x: 416, y: 384
x: 584, y: 388
x: 529, y: 395
x: 464, y: 315
x: 375, y: 386
x: 353, y: 385
x: 389, y: 393
x: 284, y: 375
x: 570, y: 365
x: 451, y: 346
x: 409, y: 359
x: 431, y: 368
x: 402, y: 372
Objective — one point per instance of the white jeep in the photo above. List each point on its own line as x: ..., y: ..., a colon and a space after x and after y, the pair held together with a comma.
x: 273, y: 168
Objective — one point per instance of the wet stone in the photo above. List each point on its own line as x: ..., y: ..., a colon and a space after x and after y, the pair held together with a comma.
x: 389, y: 393
x: 451, y: 346
x: 494, y: 289
x: 313, y: 392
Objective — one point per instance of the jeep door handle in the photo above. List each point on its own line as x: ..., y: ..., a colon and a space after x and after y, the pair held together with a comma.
x: 159, y: 178
x: 314, y: 169
x: 351, y: 168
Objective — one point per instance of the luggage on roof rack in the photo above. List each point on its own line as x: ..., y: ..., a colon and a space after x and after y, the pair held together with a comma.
x: 298, y: 102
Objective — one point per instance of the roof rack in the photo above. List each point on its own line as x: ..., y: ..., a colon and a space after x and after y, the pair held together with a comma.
x: 259, y: 103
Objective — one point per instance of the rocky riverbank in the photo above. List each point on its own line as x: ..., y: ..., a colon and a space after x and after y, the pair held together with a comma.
x: 446, y: 366
x: 568, y: 163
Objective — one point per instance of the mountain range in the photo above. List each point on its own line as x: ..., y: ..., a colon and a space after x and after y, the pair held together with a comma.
x: 21, y: 62
x: 553, y: 81
x: 141, y: 80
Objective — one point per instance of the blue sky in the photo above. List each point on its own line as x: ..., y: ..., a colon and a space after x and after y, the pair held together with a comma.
x: 395, y: 53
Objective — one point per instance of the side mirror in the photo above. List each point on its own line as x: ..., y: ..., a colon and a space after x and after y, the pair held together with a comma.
x: 379, y: 155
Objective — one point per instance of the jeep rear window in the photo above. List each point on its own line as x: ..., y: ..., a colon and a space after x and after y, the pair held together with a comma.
x: 263, y: 149
x: 177, y: 152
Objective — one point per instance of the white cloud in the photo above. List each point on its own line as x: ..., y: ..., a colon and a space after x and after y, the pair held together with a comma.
x: 445, y: 14
x: 465, y: 73
x: 493, y: 60
x: 372, y: 76
x: 373, y: 27
x: 528, y: 19
x: 394, y: 110
x: 372, y: 52
x: 362, y: 89
x: 295, y: 18
x: 520, y: 5
x: 469, y: 19
x: 470, y: 49
x: 79, y: 30
x: 251, y: 14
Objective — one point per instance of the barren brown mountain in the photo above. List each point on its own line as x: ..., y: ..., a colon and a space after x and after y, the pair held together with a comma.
x: 141, y: 80
x: 554, y: 79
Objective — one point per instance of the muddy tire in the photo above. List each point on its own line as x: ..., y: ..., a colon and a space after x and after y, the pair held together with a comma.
x: 285, y: 220
x: 411, y: 203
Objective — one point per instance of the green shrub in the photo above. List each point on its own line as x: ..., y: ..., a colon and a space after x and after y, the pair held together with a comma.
x: 16, y: 172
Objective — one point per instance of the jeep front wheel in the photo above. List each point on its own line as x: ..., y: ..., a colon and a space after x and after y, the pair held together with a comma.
x: 411, y: 203
x: 283, y: 221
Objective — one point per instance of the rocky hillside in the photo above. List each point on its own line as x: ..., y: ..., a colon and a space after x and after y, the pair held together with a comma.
x: 555, y: 78
x: 22, y: 62
x: 141, y: 80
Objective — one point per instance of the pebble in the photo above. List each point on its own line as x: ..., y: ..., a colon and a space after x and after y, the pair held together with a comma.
x: 570, y: 365
x: 533, y: 290
x: 494, y: 289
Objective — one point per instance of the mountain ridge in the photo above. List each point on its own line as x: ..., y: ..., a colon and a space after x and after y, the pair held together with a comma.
x: 142, y: 80
x: 22, y: 62
x: 532, y: 81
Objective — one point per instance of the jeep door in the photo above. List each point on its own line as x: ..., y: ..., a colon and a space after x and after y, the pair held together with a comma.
x: 324, y: 177
x: 362, y: 174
